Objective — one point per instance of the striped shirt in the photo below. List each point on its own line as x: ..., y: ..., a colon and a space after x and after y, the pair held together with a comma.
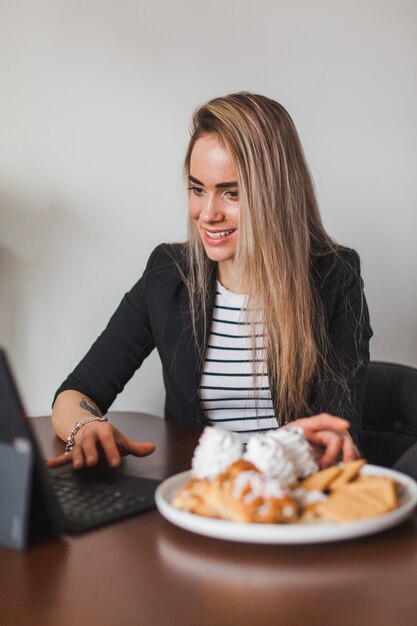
x: 232, y: 394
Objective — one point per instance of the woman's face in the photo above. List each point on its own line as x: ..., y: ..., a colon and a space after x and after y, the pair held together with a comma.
x: 214, y: 201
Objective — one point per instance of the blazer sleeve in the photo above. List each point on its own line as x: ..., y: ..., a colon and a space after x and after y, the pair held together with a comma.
x: 120, y: 349
x: 341, y: 392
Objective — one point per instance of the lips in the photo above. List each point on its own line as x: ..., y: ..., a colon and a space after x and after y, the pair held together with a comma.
x: 218, y: 234
x: 218, y: 237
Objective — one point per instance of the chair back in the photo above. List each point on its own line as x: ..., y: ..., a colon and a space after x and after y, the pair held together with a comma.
x: 390, y: 412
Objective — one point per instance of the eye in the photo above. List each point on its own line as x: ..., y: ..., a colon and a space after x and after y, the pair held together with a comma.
x: 232, y: 195
x: 197, y: 191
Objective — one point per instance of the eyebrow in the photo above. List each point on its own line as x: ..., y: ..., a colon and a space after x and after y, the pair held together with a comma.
x: 227, y: 185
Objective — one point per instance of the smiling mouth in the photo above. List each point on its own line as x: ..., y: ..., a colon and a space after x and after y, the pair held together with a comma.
x: 219, y: 234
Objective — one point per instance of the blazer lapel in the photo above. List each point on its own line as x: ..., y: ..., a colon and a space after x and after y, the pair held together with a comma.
x: 200, y: 346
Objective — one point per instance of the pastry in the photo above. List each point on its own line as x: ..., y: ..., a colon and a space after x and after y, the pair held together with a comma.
x: 319, y: 481
x: 244, y: 494
x: 359, y: 500
x: 241, y: 494
x: 192, y: 498
x: 349, y: 471
x: 276, y: 481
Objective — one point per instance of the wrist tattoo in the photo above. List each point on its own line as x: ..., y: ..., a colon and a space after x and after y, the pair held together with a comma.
x: 84, y: 404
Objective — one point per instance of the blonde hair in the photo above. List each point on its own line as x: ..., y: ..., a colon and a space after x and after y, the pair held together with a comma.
x: 280, y: 232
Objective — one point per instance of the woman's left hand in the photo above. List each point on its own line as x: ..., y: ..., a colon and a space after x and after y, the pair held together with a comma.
x: 330, y: 438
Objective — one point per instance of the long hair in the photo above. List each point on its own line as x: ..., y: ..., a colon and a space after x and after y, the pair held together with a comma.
x: 280, y: 233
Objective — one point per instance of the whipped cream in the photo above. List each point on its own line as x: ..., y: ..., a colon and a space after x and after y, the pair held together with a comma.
x: 217, y: 449
x: 270, y: 457
x: 297, y: 449
x: 253, y: 485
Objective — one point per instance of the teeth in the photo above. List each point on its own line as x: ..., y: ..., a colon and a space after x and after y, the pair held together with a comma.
x: 220, y: 234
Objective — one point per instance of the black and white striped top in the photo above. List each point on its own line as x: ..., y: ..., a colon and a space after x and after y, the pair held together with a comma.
x: 230, y: 396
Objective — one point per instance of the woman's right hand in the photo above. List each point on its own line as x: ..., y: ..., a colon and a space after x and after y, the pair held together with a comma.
x: 113, y: 443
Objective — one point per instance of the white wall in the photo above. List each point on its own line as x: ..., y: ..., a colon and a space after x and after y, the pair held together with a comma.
x: 95, y: 102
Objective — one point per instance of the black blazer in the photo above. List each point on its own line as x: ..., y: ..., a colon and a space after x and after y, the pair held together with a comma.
x: 156, y: 313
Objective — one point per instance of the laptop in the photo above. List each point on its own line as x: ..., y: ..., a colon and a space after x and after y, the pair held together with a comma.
x: 37, y: 503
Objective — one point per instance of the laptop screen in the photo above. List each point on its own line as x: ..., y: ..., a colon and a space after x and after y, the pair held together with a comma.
x: 13, y: 421
x: 29, y: 510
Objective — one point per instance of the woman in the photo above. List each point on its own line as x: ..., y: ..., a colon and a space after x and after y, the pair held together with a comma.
x: 259, y: 318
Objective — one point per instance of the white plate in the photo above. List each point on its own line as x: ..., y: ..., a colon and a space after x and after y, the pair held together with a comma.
x: 287, y: 533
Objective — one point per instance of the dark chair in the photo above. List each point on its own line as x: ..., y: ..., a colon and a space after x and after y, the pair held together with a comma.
x: 390, y: 416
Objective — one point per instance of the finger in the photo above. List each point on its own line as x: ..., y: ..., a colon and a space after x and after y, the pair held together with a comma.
x: 320, y: 436
x: 90, y: 450
x: 350, y: 451
x: 77, y: 457
x: 324, y: 421
x: 109, y: 446
x: 58, y: 461
x: 138, y: 448
x: 315, y: 439
x: 333, y: 445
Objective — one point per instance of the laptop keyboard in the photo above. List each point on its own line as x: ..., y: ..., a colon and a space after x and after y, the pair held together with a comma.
x: 86, y: 506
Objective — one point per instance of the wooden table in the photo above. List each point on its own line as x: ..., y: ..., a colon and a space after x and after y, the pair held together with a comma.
x: 146, y: 572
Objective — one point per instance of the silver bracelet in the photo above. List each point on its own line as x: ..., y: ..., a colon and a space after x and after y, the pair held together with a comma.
x: 74, y: 430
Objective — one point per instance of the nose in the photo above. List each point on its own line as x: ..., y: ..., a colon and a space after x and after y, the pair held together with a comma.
x: 212, y: 210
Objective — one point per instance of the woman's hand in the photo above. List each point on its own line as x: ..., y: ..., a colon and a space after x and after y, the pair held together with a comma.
x: 330, y: 438
x: 113, y: 443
